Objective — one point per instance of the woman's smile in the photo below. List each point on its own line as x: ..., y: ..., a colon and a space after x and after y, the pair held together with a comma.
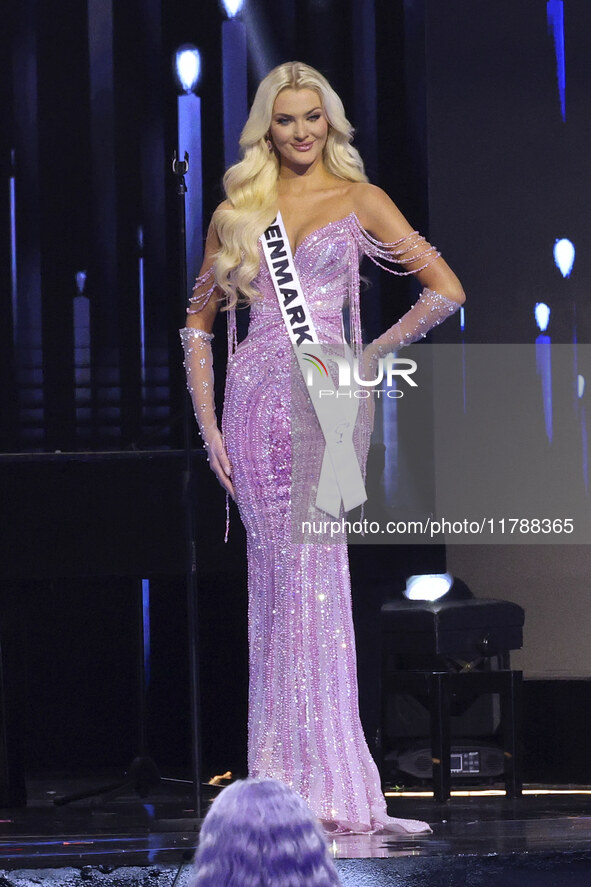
x: 298, y: 127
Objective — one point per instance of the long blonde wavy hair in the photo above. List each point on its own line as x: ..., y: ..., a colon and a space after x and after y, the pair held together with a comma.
x: 251, y: 184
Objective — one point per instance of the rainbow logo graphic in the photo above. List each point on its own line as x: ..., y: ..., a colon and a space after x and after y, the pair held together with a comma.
x: 316, y: 362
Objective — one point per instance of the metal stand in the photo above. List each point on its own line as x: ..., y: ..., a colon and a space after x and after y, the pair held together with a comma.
x: 180, y: 168
x: 143, y: 775
x: 438, y: 687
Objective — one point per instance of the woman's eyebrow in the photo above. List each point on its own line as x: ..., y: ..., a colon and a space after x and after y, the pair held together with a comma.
x: 305, y: 114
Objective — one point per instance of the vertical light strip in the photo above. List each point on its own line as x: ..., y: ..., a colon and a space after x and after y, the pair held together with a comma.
x: 389, y: 408
x: 544, y: 363
x: 585, y: 448
x: 146, y: 630
x: 141, y: 290
x: 234, y: 86
x: 106, y: 353
x: 555, y: 17
x: 464, y: 373
x: 544, y: 369
x: 13, y: 266
x: 82, y: 379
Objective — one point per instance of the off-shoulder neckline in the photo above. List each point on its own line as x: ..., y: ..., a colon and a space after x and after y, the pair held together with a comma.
x: 351, y: 215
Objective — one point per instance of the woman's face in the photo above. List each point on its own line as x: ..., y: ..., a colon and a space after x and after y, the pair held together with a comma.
x: 299, y: 128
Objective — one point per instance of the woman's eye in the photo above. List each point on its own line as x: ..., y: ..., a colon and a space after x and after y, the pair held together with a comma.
x: 314, y: 117
x: 282, y: 121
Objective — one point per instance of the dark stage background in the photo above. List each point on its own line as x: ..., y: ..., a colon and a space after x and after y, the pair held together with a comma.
x: 461, y: 115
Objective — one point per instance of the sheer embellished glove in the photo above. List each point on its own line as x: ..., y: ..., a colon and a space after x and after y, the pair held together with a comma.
x: 200, y: 382
x: 430, y: 310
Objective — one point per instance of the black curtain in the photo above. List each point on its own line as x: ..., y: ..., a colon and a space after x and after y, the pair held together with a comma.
x: 90, y: 126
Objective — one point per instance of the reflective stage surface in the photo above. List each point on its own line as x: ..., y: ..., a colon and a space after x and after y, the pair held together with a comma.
x: 540, y: 839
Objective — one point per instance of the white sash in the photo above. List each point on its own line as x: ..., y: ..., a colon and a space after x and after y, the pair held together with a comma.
x: 340, y: 475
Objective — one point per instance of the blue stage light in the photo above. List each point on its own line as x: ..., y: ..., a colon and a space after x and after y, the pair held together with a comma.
x: 142, y: 295
x: 555, y: 18
x: 146, y: 639
x: 542, y: 315
x: 188, y: 67
x: 428, y: 587
x: 13, y: 246
x: 580, y: 385
x: 564, y: 256
x: 232, y: 7
x: 81, y: 282
x: 544, y: 369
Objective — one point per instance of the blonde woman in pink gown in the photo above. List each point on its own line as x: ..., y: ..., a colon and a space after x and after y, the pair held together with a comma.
x: 297, y: 158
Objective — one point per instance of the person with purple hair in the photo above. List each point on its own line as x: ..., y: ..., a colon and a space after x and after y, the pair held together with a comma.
x: 258, y: 833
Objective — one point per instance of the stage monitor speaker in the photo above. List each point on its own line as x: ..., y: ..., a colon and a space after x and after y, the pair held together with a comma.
x: 476, y: 760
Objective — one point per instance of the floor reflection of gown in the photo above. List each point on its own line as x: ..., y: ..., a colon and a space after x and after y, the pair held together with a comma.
x: 304, y: 725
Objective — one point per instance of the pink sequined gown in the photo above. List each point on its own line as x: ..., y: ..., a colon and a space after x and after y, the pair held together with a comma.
x: 304, y: 726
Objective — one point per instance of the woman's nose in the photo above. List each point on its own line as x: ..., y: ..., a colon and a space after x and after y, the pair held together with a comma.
x: 300, y: 129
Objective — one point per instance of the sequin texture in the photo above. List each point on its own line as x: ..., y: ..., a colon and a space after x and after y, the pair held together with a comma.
x: 202, y: 291
x: 304, y: 726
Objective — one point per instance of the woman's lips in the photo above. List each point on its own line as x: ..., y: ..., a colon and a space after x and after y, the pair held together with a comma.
x: 305, y: 147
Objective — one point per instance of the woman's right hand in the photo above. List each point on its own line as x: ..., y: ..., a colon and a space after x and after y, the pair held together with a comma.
x: 218, y: 460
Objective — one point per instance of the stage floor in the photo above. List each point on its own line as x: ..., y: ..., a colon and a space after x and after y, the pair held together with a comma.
x: 543, y: 838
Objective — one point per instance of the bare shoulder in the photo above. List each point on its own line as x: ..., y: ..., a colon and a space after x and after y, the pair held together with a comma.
x: 213, y: 238
x: 225, y: 204
x: 365, y: 195
x: 378, y: 213
x: 220, y: 209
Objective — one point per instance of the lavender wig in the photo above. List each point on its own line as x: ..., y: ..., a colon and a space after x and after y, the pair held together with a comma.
x: 260, y: 833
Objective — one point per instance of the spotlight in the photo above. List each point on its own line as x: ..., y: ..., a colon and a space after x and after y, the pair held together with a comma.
x: 81, y: 281
x: 542, y: 315
x: 564, y: 256
x: 232, y: 7
x: 434, y: 586
x: 428, y: 587
x: 187, y: 67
